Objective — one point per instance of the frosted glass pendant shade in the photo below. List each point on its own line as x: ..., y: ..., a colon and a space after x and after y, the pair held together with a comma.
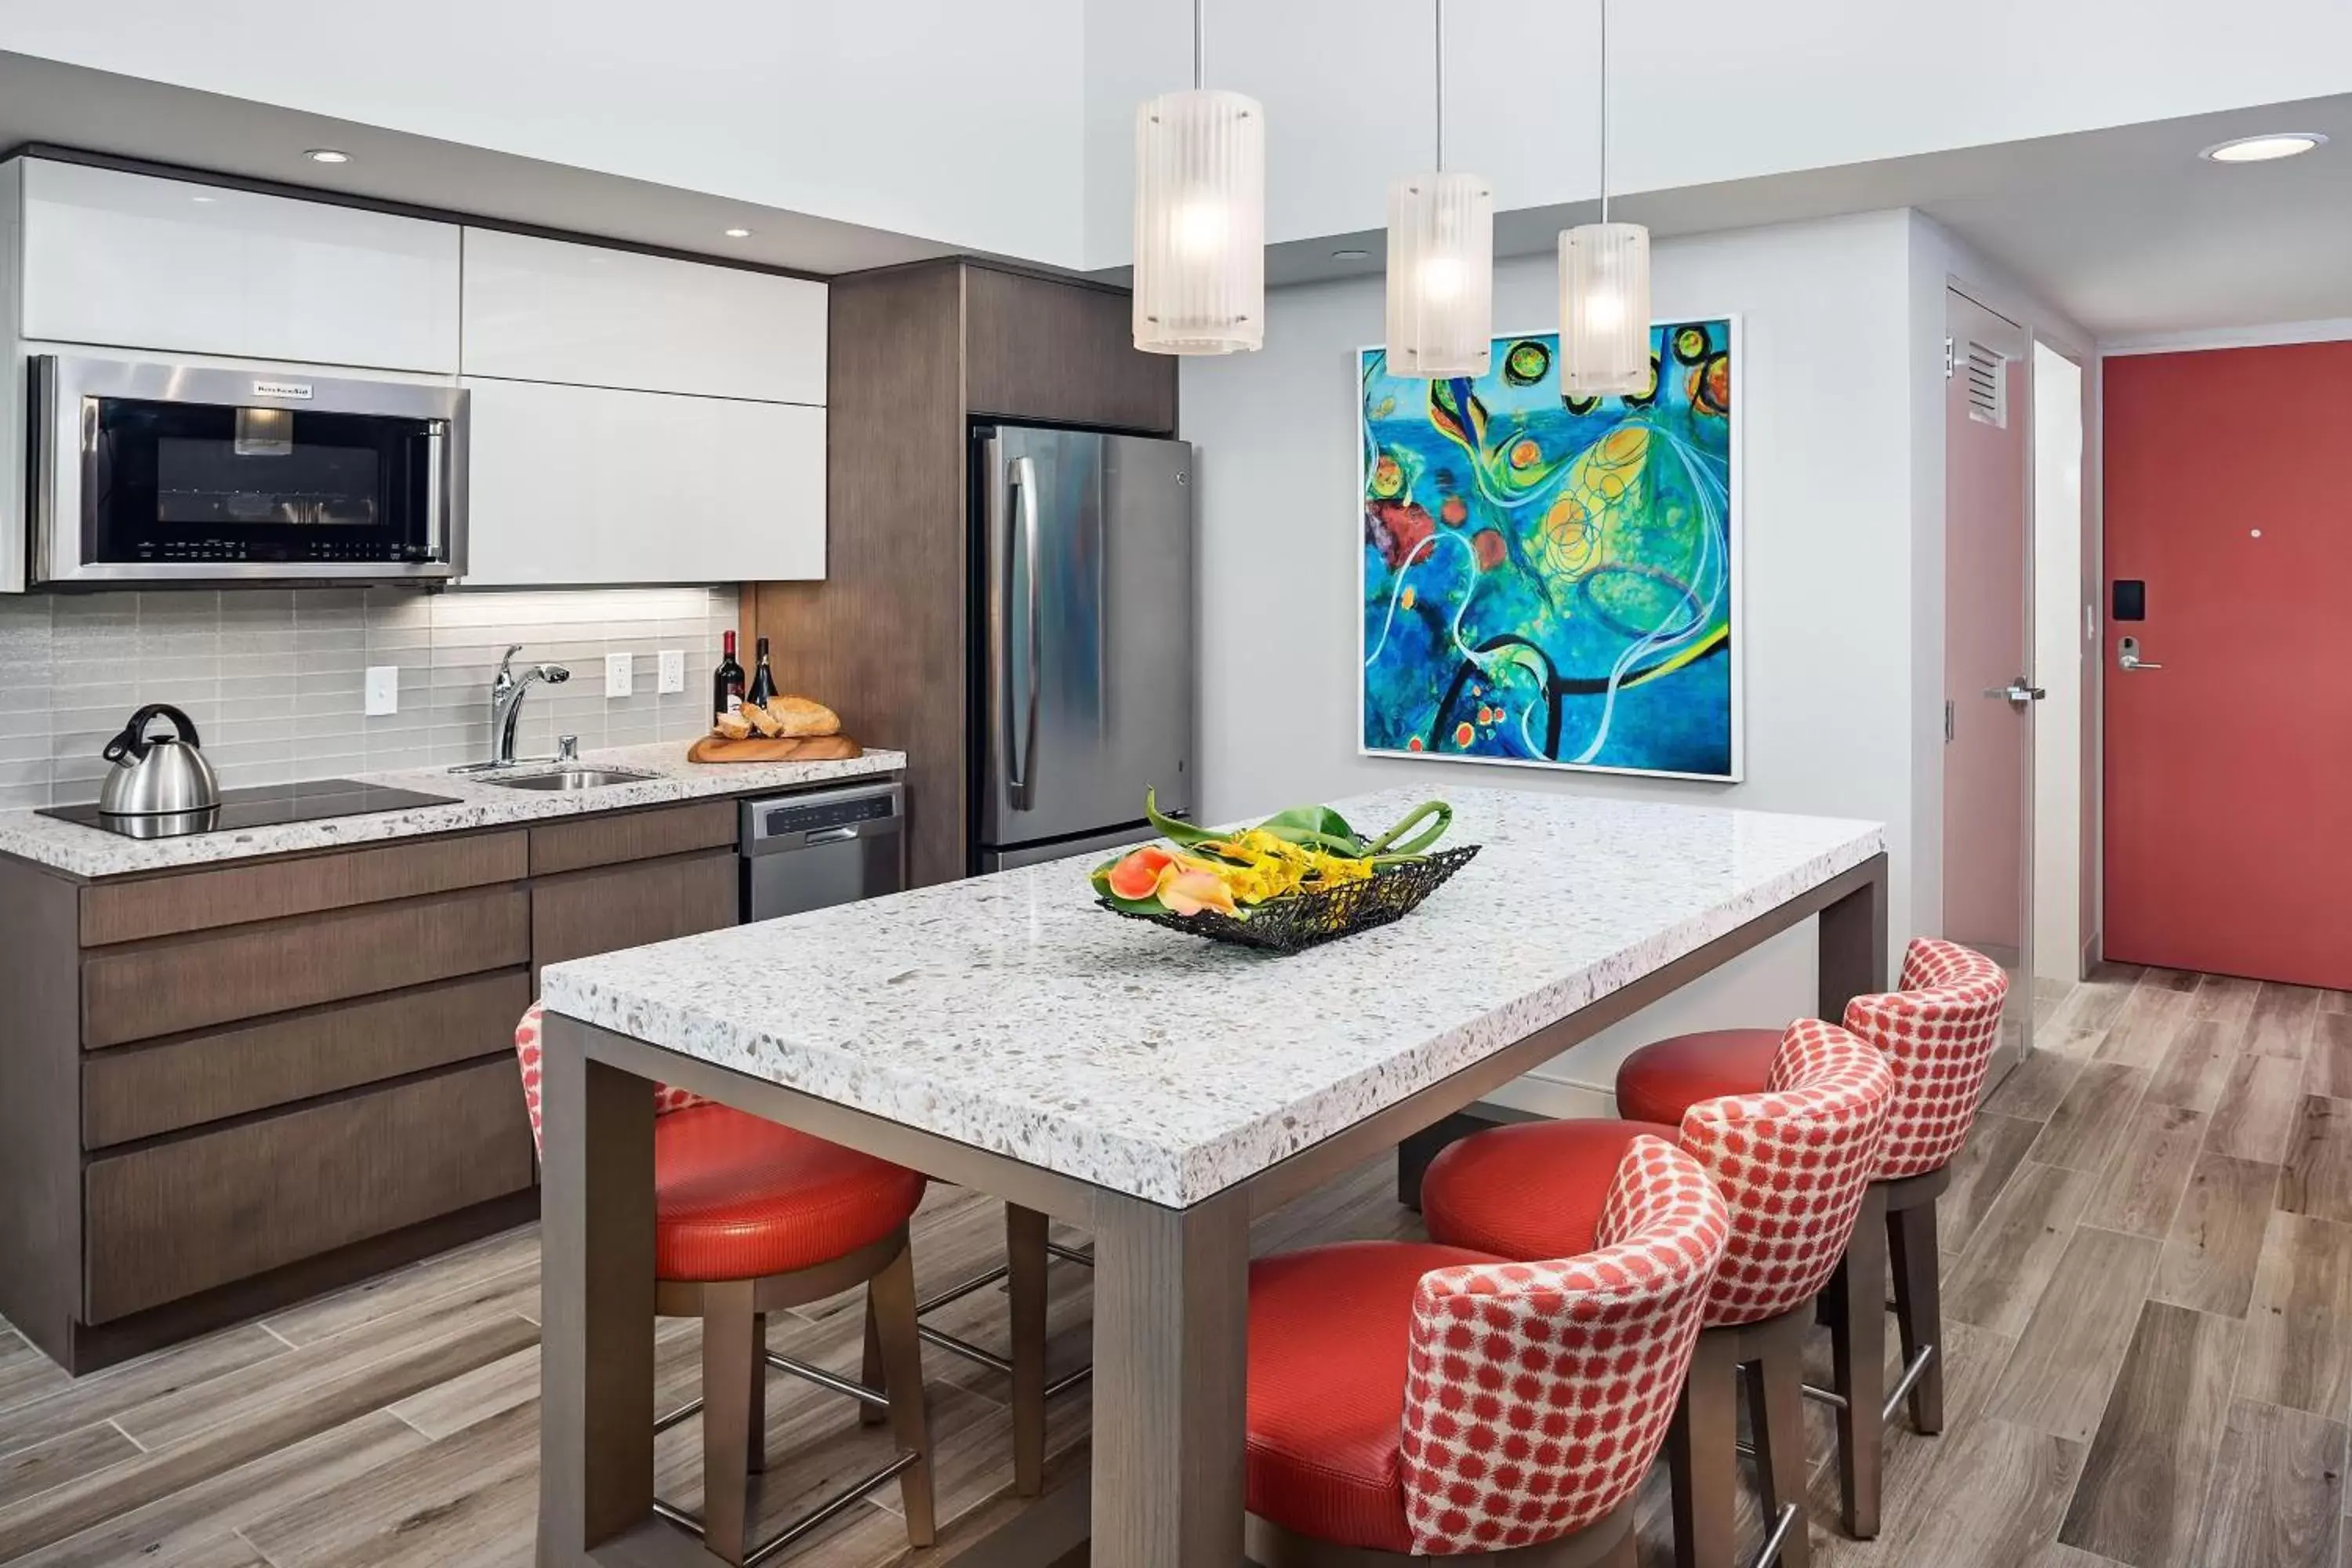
x: 1604, y: 309
x: 1440, y: 275
x: 1199, y: 222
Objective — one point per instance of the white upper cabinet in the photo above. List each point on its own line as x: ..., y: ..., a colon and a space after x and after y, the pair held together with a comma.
x: 136, y: 262
x: 543, y: 309
x: 588, y: 485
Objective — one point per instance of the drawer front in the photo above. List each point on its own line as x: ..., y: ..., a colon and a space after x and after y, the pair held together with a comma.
x: 251, y: 971
x: 167, y: 1221
x: 629, y: 906
x: 139, y: 1092
x: 199, y: 900
x: 633, y: 835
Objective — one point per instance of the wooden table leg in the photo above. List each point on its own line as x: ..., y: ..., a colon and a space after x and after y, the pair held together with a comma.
x: 596, y: 1285
x: 1171, y: 1331
x: 1852, y: 961
x: 1024, y: 1261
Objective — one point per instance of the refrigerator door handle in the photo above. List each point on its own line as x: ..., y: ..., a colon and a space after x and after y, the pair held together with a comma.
x: 1021, y: 751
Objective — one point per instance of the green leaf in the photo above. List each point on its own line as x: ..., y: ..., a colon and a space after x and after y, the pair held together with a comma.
x: 1303, y: 823
x: 1174, y: 828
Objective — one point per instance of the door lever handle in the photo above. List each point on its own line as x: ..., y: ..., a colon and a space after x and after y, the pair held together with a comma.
x: 2127, y: 656
x: 2017, y: 691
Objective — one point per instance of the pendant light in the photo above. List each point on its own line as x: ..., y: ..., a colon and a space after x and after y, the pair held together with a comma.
x: 1200, y: 217
x: 1441, y: 290
x: 1604, y: 289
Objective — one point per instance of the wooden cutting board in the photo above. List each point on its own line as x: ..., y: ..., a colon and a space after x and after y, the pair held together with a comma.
x: 761, y: 749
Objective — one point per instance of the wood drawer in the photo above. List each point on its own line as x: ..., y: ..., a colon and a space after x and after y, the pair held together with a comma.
x: 198, y: 900
x: 250, y: 971
x: 629, y: 906
x: 573, y: 846
x: 171, y: 1220
x: 139, y: 1092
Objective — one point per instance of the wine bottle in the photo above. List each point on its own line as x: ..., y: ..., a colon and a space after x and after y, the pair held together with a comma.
x: 727, y: 682
x: 763, y: 682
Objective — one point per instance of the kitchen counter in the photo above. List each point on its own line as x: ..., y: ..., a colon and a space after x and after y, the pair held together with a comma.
x: 1010, y: 1013
x: 91, y: 853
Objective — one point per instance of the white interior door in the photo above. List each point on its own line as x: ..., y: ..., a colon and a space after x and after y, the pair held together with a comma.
x: 1988, y: 689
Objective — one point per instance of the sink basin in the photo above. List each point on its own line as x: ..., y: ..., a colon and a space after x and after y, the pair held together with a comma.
x: 569, y: 779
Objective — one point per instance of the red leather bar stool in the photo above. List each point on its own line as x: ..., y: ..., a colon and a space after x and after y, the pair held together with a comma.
x: 1793, y: 1163
x: 753, y: 1219
x: 1938, y: 1033
x: 1410, y: 1401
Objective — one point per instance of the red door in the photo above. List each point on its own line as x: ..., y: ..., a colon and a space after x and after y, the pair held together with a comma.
x: 2229, y: 751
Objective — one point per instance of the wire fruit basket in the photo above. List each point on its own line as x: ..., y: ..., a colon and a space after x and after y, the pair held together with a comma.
x: 1302, y: 920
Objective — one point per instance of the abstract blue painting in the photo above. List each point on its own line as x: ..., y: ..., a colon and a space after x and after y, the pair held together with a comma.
x: 1551, y: 580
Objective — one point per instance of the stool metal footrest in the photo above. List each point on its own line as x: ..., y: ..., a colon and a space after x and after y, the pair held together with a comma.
x: 956, y: 1345
x: 1790, y: 1518
x: 848, y: 1496
x: 1895, y: 1398
x: 857, y: 1490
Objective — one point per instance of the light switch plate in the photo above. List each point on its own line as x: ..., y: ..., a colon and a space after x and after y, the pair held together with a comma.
x: 673, y: 670
x: 383, y: 689
x: 620, y: 677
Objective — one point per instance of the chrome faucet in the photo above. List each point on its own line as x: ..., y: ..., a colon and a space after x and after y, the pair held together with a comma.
x: 505, y: 702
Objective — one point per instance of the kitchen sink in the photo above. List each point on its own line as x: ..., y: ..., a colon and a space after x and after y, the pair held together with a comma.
x: 568, y: 779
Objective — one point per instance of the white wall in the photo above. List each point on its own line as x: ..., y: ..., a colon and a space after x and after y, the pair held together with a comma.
x: 951, y: 121
x: 1827, y: 453
x: 2059, y: 655
x: 1706, y: 90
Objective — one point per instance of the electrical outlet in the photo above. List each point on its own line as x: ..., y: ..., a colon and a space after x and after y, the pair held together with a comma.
x: 383, y: 689
x: 673, y: 670
x: 620, y: 675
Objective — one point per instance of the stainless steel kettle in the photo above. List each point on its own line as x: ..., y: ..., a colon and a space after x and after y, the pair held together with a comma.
x: 153, y: 774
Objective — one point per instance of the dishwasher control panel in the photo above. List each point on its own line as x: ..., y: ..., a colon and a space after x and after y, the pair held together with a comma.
x: 781, y: 818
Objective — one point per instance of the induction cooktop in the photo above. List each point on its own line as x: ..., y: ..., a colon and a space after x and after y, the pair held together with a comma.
x: 262, y: 807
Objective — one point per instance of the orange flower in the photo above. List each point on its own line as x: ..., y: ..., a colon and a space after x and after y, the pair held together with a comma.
x: 1190, y: 892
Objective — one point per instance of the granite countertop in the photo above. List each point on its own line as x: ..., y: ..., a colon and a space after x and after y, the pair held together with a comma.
x: 1009, y: 1013
x: 474, y: 803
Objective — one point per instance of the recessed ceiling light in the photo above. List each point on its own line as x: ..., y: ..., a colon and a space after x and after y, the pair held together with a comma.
x: 204, y: 200
x: 327, y: 155
x: 1349, y: 253
x: 739, y: 234
x: 2262, y: 149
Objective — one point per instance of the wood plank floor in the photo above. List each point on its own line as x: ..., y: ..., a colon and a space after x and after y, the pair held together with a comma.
x: 2148, y: 1273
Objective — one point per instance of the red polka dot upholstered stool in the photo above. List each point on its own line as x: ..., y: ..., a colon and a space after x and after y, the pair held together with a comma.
x: 1938, y: 1033
x: 748, y: 1219
x: 1794, y: 1163
x: 1410, y: 1401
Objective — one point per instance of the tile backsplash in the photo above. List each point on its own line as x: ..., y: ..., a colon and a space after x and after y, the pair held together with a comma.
x: 272, y: 679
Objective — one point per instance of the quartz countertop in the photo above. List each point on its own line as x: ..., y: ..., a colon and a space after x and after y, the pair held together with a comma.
x: 1010, y: 1013
x: 475, y: 802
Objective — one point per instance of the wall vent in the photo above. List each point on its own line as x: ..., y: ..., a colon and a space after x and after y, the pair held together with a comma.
x: 1987, y: 385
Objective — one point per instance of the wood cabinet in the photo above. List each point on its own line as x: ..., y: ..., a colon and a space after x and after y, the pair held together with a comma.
x: 176, y: 1218
x: 138, y: 262
x: 226, y: 1088
x: 914, y: 356
x: 586, y: 315
x: 586, y: 484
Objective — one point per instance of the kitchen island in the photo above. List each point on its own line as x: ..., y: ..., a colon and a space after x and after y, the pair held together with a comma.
x: 1004, y: 1033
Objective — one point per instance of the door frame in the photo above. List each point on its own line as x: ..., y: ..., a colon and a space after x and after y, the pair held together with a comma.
x: 2089, y: 735
x: 2021, y: 391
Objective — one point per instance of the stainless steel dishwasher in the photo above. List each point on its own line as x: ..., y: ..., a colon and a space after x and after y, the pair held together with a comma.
x: 820, y: 848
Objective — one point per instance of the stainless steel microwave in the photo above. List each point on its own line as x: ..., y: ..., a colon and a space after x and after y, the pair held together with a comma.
x: 159, y: 473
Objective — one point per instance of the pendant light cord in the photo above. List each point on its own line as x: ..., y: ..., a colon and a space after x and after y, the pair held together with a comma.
x: 1439, y: 53
x: 1604, y: 111
x: 1199, y: 44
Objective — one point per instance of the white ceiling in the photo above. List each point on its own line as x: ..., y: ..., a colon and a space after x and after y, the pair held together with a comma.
x: 2127, y: 230
x: 99, y: 112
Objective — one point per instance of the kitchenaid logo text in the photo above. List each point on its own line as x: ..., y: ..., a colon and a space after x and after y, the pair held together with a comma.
x: 301, y: 389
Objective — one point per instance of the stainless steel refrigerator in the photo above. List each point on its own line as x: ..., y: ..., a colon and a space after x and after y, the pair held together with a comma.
x: 1082, y: 664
